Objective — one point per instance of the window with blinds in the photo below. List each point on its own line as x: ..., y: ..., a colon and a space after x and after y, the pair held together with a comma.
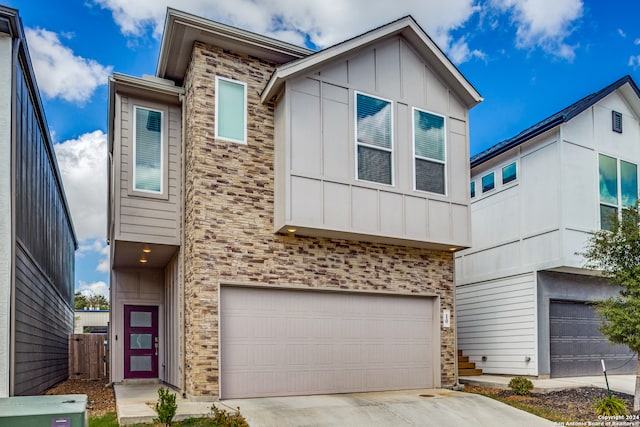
x: 148, y: 155
x: 231, y: 110
x: 374, y: 139
x: 429, y: 151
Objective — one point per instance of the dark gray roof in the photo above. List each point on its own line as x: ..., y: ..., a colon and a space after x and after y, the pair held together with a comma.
x: 550, y: 122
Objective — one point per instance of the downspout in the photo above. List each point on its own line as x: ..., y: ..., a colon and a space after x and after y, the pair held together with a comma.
x: 182, y: 262
x: 12, y: 288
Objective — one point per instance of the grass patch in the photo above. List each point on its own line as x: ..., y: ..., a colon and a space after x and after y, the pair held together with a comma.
x: 518, y: 403
x: 110, y: 419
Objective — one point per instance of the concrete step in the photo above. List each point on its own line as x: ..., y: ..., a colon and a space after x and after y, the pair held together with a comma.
x: 469, y: 372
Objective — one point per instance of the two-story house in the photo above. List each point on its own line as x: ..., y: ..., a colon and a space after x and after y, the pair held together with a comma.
x: 283, y: 221
x: 37, y: 241
x: 522, y: 290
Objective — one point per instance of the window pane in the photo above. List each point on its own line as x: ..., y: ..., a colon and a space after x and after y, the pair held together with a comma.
x: 230, y: 106
x: 488, y: 182
x: 373, y: 121
x: 608, y: 215
x: 608, y: 180
x: 140, y: 341
x: 429, y: 135
x: 148, y: 146
x: 473, y: 189
x: 140, y: 319
x: 429, y: 176
x: 509, y: 173
x: 374, y: 165
x: 140, y: 363
x: 629, y: 183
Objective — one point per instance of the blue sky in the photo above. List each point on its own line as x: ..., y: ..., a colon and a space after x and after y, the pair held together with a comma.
x: 527, y: 58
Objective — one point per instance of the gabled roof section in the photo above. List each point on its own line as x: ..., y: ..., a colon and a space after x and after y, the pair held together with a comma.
x: 405, y: 27
x: 558, y: 118
x: 182, y: 29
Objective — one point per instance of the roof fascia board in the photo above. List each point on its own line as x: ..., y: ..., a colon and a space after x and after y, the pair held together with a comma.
x: 176, y: 18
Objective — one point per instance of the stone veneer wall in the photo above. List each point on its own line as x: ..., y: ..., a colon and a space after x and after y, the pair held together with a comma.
x: 229, y: 237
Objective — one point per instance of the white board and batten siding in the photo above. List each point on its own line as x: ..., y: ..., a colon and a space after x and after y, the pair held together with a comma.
x: 145, y: 217
x: 316, y: 185
x: 497, y: 320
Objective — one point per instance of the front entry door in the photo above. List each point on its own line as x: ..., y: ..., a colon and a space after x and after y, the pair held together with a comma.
x: 141, y: 341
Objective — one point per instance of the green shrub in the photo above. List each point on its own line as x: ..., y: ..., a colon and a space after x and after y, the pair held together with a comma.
x: 222, y: 418
x: 610, y: 406
x: 521, y: 386
x: 165, y: 406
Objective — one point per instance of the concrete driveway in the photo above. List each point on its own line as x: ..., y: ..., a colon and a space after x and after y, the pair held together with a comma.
x: 423, y: 408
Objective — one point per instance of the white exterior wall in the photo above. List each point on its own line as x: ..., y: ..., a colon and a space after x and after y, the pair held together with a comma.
x: 497, y: 320
x: 316, y: 186
x: 134, y: 287
x: 89, y: 318
x: 6, y: 233
x: 515, y: 227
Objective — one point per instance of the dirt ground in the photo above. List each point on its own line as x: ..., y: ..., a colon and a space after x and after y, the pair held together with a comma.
x: 101, y: 398
x: 574, y: 404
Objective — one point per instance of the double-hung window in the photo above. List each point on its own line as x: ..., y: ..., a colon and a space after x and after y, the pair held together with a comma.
x: 618, y: 188
x: 231, y: 110
x: 374, y: 139
x: 148, y: 152
x: 429, y: 151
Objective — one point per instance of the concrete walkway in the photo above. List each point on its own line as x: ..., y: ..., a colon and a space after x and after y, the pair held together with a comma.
x: 620, y: 383
x: 134, y: 404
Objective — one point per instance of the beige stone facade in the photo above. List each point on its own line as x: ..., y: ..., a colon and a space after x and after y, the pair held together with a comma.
x: 229, y: 198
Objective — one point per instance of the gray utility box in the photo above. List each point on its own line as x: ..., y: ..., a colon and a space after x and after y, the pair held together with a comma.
x: 65, y: 410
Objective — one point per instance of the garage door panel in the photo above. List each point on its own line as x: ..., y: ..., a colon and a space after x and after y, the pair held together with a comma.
x: 577, y: 346
x: 276, y: 343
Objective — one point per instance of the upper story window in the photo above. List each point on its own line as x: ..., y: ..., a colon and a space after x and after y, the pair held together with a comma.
x: 148, y: 153
x: 618, y: 187
x: 429, y: 151
x: 374, y: 140
x: 231, y: 110
x: 616, y: 121
x: 488, y: 182
x: 472, y: 189
x: 509, y: 173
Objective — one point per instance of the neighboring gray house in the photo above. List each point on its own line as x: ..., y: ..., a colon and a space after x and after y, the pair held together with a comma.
x: 522, y: 291
x: 37, y: 241
x: 282, y: 221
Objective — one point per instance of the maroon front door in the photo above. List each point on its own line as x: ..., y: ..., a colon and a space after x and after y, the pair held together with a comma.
x: 140, y: 341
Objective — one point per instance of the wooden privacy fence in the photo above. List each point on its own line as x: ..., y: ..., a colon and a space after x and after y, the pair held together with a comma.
x: 88, y: 357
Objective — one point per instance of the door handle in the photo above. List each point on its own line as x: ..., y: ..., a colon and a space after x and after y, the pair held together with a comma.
x: 156, y: 349
x: 156, y: 342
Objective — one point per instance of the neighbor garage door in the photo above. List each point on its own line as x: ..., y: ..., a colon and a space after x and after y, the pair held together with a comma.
x: 284, y: 342
x: 577, y: 346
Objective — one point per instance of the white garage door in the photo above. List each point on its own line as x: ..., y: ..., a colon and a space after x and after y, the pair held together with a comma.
x: 283, y: 342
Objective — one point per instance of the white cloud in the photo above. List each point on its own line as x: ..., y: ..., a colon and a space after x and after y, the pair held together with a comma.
x: 83, y: 165
x: 60, y: 73
x: 325, y: 23
x: 98, y: 246
x: 634, y: 61
x: 95, y: 288
x: 544, y: 24
x: 636, y: 42
x: 622, y: 33
x: 460, y: 52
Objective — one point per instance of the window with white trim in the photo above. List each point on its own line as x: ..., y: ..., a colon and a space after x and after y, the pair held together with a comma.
x: 231, y: 110
x: 472, y: 189
x: 374, y: 139
x: 618, y: 182
x: 429, y: 151
x: 509, y: 173
x: 488, y: 182
x: 148, y: 152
